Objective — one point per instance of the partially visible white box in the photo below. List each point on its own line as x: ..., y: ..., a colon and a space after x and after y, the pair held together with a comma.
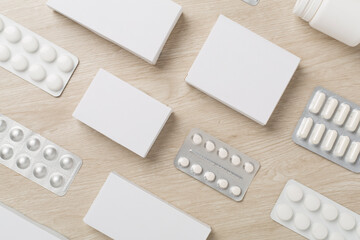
x: 122, y: 113
x: 15, y: 226
x: 139, y: 26
x: 123, y: 210
x: 242, y: 70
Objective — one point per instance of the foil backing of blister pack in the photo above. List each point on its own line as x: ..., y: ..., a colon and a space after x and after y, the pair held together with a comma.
x: 326, y: 132
x: 216, y: 164
x: 36, y: 158
x: 35, y: 59
x: 313, y: 215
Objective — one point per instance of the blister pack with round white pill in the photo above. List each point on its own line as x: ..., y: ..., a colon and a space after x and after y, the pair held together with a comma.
x: 329, y: 127
x: 35, y: 59
x: 36, y: 158
x: 313, y: 215
x: 216, y: 164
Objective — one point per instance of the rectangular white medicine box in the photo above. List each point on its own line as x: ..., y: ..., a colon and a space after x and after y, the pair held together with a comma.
x: 124, y: 211
x: 123, y: 113
x: 140, y: 26
x: 242, y: 70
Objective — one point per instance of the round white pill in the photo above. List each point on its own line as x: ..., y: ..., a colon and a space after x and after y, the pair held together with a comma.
x: 235, y: 160
x: 30, y: 44
x: 33, y: 144
x: 48, y: 54
x: 209, y: 176
x: 50, y: 153
x: 54, y: 83
x: 65, y: 63
x: 6, y: 152
x: 4, y: 53
x: 358, y: 230
x: 56, y: 180
x: 223, y: 153
x: 3, y: 125
x: 336, y: 236
x: 196, y: 169
x: 329, y: 212
x: 197, y: 139
x: 235, y: 190
x: 37, y: 73
x: 1, y: 25
x: 12, y: 34
x: 249, y: 167
x: 19, y: 63
x: 40, y: 171
x: 347, y: 221
x: 319, y: 231
x: 222, y: 183
x: 66, y: 162
x: 312, y: 203
x: 210, y: 146
x: 23, y: 162
x: 284, y: 212
x: 302, y: 222
x: 294, y: 193
x: 183, y: 162
x: 16, y: 134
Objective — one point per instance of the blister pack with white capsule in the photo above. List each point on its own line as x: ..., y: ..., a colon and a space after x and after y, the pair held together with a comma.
x: 216, y: 164
x: 313, y: 215
x: 329, y: 126
x: 36, y: 158
x: 35, y: 59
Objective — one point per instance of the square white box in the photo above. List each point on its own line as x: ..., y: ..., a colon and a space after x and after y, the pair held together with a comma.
x: 124, y: 211
x: 242, y: 70
x: 15, y: 226
x: 122, y: 113
x: 139, y: 26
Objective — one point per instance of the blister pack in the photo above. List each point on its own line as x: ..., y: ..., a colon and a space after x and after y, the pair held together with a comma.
x: 252, y: 2
x: 313, y: 215
x: 36, y: 158
x: 33, y: 58
x: 329, y: 126
x: 216, y: 164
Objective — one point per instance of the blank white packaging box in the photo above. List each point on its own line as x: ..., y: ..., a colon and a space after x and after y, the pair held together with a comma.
x: 139, y: 26
x: 122, y: 113
x: 15, y: 226
x: 242, y: 70
x: 123, y: 210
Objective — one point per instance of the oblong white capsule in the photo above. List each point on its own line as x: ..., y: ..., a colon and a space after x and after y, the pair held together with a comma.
x: 317, y: 134
x: 305, y: 127
x: 353, y: 121
x: 341, y: 114
x: 341, y: 146
x: 353, y: 152
x: 329, y: 108
x: 317, y: 102
x: 329, y: 140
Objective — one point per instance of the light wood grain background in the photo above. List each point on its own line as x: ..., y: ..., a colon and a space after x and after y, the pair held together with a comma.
x: 325, y: 62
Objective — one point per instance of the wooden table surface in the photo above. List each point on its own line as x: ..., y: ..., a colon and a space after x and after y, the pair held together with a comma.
x: 325, y: 62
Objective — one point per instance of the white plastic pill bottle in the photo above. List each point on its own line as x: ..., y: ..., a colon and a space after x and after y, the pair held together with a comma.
x: 339, y: 19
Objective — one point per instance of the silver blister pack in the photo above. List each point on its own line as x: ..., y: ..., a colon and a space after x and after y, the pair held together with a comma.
x: 329, y: 127
x: 252, y: 2
x: 216, y: 164
x: 36, y: 158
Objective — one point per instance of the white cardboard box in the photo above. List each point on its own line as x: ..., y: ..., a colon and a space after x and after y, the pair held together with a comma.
x: 15, y: 226
x: 123, y: 210
x: 139, y: 26
x: 122, y: 113
x: 242, y: 70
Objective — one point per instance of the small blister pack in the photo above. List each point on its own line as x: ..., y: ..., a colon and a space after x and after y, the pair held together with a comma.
x: 35, y: 59
x: 36, y: 158
x: 252, y: 2
x: 313, y: 215
x: 216, y: 164
x: 329, y: 126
